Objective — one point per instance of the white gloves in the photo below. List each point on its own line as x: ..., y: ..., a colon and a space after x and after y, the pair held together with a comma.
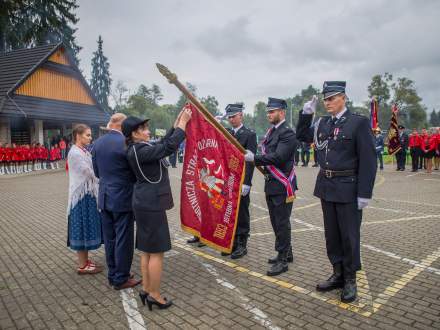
x: 245, y: 189
x: 249, y: 156
x: 362, y: 202
x: 309, y: 107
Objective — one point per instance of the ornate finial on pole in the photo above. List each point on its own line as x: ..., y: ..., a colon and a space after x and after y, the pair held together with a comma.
x: 172, y: 78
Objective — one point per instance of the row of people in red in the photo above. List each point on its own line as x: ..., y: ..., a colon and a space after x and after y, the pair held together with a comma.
x: 423, y: 148
x: 17, y: 159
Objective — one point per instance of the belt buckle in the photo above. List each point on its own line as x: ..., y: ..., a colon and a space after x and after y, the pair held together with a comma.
x: 328, y: 174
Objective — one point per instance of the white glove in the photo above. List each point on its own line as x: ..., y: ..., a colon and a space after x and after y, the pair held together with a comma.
x: 362, y: 202
x: 309, y: 107
x: 245, y: 189
x: 249, y: 156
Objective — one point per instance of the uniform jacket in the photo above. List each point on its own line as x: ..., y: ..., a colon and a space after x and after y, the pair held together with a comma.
x: 248, y: 139
x: 116, y: 179
x: 379, y: 143
x: 149, y: 196
x: 351, y: 146
x: 404, y: 141
x: 280, y: 150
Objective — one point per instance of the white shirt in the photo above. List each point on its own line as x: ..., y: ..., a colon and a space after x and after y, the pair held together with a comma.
x: 237, y: 129
x: 339, y: 115
x: 279, y: 124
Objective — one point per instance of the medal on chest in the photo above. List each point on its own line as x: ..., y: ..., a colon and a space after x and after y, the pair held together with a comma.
x: 335, y: 133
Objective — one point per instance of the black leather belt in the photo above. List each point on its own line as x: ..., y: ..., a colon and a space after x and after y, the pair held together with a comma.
x: 330, y: 174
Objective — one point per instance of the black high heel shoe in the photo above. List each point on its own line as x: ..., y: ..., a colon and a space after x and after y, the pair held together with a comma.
x: 151, y: 301
x: 143, y: 295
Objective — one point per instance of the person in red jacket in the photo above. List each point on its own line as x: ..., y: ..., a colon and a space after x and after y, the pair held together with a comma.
x: 429, y: 147
x: 55, y: 154
x: 415, y: 143
x: 423, y: 136
x: 44, y: 156
x: 7, y: 158
x: 437, y: 151
x: 32, y: 156
x: 28, y: 158
x: 14, y: 159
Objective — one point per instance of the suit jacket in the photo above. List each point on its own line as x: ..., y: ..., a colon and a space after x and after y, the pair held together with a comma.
x: 248, y: 139
x: 153, y: 193
x: 115, y: 177
x: 351, y: 146
x: 280, y: 150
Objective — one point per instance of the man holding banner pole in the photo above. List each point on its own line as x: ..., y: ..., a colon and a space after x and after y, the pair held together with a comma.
x: 277, y: 157
x: 248, y: 139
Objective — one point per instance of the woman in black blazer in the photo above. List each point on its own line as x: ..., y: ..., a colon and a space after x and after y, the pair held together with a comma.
x: 151, y: 198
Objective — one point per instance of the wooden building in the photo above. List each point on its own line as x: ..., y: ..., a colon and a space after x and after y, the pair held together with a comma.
x: 43, y: 94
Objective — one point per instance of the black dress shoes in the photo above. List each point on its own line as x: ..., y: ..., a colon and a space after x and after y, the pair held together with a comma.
x: 275, y: 259
x: 335, y: 281
x: 278, y: 268
x: 349, y: 292
x: 193, y: 240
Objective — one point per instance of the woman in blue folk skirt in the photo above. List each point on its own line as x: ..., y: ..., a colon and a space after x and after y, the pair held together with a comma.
x: 84, y: 224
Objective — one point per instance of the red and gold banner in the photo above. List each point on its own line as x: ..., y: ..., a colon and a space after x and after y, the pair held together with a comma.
x: 373, y: 113
x: 213, y: 172
x: 393, y: 133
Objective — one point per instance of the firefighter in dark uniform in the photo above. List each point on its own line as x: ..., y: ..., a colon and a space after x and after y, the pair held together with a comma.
x: 347, y: 158
x: 277, y: 157
x: 248, y: 139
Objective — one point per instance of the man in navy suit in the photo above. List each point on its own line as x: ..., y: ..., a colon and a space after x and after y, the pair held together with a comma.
x: 114, y: 203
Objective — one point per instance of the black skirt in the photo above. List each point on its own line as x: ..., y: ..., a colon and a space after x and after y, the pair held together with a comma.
x: 429, y: 154
x: 152, y: 232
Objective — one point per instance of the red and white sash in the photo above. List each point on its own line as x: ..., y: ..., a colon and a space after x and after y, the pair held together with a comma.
x: 287, y: 182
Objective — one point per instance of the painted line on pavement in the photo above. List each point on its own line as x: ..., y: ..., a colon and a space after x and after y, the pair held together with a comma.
x: 399, y: 284
x: 406, y: 260
x: 295, y: 209
x: 134, y: 318
x: 408, y: 202
x: 427, y: 216
x: 350, y: 307
x: 257, y: 313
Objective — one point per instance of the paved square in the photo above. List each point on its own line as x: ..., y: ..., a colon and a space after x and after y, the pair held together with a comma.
x: 399, y: 284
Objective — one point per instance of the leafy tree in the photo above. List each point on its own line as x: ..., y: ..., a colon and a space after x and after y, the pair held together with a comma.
x: 260, y: 119
x: 156, y: 94
x: 412, y: 112
x: 380, y: 89
x: 434, y: 120
x: 101, y: 81
x: 119, y: 95
x: 36, y: 22
x: 211, y: 104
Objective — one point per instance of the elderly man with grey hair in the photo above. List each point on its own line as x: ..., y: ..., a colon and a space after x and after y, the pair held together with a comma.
x: 114, y: 203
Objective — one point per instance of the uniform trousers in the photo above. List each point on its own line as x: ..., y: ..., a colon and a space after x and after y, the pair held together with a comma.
x: 342, y: 225
x: 243, y: 224
x: 118, y: 232
x: 279, y: 212
x: 415, y: 154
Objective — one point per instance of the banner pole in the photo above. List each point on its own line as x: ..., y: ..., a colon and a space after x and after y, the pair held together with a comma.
x: 172, y: 79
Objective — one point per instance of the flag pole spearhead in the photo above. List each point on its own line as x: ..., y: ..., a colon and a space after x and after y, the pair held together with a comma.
x: 172, y: 77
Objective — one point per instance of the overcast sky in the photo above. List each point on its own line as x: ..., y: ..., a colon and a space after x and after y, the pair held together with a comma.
x: 249, y: 50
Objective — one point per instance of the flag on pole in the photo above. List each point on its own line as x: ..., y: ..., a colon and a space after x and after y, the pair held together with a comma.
x: 374, y: 108
x: 212, y: 176
x: 393, y: 133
